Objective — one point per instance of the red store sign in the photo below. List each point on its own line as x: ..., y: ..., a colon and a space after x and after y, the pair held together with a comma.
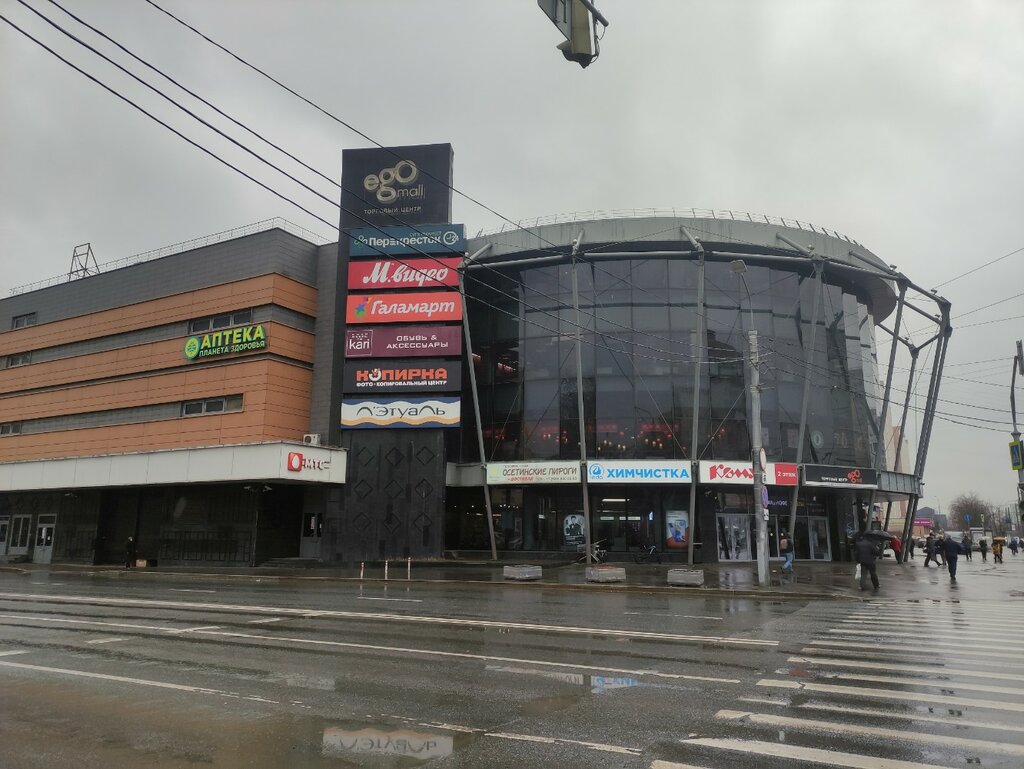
x: 404, y: 308
x: 403, y: 273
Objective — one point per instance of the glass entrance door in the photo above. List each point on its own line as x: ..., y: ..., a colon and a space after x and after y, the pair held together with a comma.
x: 734, y: 542
x: 20, y: 534
x: 817, y: 534
x: 312, y: 532
x: 43, y: 549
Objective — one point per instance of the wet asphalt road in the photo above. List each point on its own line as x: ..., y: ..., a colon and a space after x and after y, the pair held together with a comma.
x: 124, y: 671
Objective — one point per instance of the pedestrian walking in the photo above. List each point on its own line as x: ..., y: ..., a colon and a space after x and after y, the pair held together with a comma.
x: 997, y: 550
x: 968, y: 544
x: 788, y: 552
x: 929, y: 550
x: 1014, y: 544
x: 129, y: 553
x: 866, y: 552
x: 910, y: 547
x: 952, y: 550
x: 983, y: 547
x: 938, y: 546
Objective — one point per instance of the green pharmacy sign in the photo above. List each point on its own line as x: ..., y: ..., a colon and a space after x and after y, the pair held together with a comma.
x: 243, y: 339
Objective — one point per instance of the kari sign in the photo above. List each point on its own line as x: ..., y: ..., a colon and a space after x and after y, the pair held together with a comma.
x: 424, y: 239
x: 406, y: 376
x: 841, y: 477
x: 613, y: 471
x: 406, y: 273
x: 408, y: 412
x: 411, y: 341
x: 503, y: 473
x: 404, y: 308
x: 727, y: 472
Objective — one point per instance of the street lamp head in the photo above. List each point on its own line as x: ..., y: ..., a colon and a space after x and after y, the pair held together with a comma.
x: 737, y: 267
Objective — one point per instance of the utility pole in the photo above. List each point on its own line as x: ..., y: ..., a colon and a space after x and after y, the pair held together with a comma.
x: 757, y: 461
x: 1016, y: 452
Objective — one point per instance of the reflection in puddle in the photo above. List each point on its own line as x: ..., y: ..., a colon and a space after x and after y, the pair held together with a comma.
x: 596, y: 684
x: 304, y: 682
x: 545, y: 705
x: 402, y: 742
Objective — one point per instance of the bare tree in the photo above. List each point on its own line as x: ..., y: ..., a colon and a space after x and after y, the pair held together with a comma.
x: 969, y: 510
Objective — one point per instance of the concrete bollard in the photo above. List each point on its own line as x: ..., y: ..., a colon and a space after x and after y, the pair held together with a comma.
x: 408, y: 569
x: 362, y: 568
x: 606, y: 574
x: 385, y: 571
x: 522, y: 572
x: 686, y: 577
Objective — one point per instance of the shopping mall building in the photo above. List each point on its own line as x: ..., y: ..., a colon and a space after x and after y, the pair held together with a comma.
x: 409, y: 392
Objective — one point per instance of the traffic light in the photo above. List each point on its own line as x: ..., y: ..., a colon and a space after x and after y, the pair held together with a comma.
x: 579, y: 47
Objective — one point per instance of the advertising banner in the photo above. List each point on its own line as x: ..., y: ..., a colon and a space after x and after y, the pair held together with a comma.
x: 404, y: 307
x: 407, y: 341
x: 404, y: 273
x: 572, y: 531
x: 840, y: 477
x: 616, y: 471
x: 781, y: 474
x: 388, y: 185
x: 727, y: 472
x: 503, y: 473
x: 408, y: 412
x: 424, y: 239
x: 404, y: 376
x: 243, y: 339
x: 677, y: 529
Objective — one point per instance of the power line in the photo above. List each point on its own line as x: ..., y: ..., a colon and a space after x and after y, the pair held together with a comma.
x: 980, y: 267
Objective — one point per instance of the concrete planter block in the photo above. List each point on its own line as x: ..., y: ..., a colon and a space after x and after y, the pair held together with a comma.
x: 522, y: 572
x: 693, y: 577
x: 606, y: 574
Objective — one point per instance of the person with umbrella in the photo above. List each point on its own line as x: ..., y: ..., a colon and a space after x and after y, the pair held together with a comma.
x: 997, y: 549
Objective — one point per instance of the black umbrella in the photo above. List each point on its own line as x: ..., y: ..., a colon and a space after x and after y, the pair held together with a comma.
x: 881, y: 536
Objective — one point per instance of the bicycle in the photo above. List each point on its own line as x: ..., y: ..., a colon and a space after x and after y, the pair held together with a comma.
x: 597, y: 553
x: 648, y: 554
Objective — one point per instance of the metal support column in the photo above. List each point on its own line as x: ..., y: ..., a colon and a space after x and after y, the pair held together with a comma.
x: 579, y: 402
x: 476, y: 402
x: 698, y: 350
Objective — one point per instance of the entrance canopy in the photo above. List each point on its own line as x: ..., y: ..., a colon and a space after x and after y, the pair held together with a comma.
x: 280, y: 461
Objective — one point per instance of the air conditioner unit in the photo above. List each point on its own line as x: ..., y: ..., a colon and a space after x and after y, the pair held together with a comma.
x: 311, y: 439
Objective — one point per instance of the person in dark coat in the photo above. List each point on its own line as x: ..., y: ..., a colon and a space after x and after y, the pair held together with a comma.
x: 952, y: 550
x: 968, y: 544
x: 866, y: 553
x: 910, y: 547
x: 929, y: 549
x: 983, y: 547
x: 129, y: 553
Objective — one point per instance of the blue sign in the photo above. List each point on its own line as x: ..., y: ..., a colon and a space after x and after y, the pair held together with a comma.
x: 625, y: 471
x: 424, y: 239
x: 1016, y: 455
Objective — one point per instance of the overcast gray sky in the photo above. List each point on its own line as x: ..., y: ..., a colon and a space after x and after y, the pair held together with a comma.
x: 897, y: 122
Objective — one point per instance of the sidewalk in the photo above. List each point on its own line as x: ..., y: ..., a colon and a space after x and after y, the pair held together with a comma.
x: 811, y: 580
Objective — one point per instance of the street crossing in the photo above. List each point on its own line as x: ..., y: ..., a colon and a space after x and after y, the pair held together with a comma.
x: 891, y: 684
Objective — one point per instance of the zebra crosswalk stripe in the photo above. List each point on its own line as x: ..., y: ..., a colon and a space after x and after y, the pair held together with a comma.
x: 800, y: 753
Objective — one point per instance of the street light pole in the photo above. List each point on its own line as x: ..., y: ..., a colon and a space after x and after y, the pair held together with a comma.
x: 738, y: 268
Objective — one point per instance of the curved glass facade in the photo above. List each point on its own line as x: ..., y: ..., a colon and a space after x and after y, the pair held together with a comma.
x: 639, y: 322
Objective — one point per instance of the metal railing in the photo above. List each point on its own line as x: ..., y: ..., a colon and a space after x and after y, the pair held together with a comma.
x: 187, y: 245
x: 688, y: 213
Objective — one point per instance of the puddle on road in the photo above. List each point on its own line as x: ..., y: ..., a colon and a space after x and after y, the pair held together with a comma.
x: 546, y: 705
x: 412, y: 745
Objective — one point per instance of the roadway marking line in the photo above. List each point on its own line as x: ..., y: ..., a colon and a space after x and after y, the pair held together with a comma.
x: 659, y: 764
x: 590, y: 631
x: 48, y: 584
x: 919, y: 643
x: 105, y: 640
x: 969, y: 635
x: 843, y: 663
x: 795, y: 752
x: 195, y: 629
x: 65, y: 620
x: 265, y: 621
x: 13, y: 652
x: 188, y: 590
x: 119, y: 679
x: 393, y: 649
x: 407, y: 600
x: 921, y: 658
x: 885, y: 714
x: 556, y: 740
x: 916, y: 697
x: 450, y: 727
x: 918, y: 648
x: 949, y: 685
x: 836, y: 727
x: 656, y: 614
x: 956, y: 620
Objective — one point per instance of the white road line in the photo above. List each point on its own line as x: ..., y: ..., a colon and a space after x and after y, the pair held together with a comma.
x: 923, y: 659
x: 929, y: 671
x: 105, y: 640
x: 942, y: 619
x: 919, y: 641
x: 391, y: 649
x: 195, y: 629
x: 797, y: 753
x: 406, y: 600
x: 266, y: 620
x: 13, y: 652
x: 559, y: 740
x: 188, y: 590
x: 885, y: 714
x: 659, y: 764
x: 48, y: 584
x: 656, y: 614
x: 920, y: 648
x: 451, y: 621
x: 924, y: 683
x: 127, y: 680
x: 69, y: 621
x: 885, y: 694
x: 928, y: 632
x: 857, y: 730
